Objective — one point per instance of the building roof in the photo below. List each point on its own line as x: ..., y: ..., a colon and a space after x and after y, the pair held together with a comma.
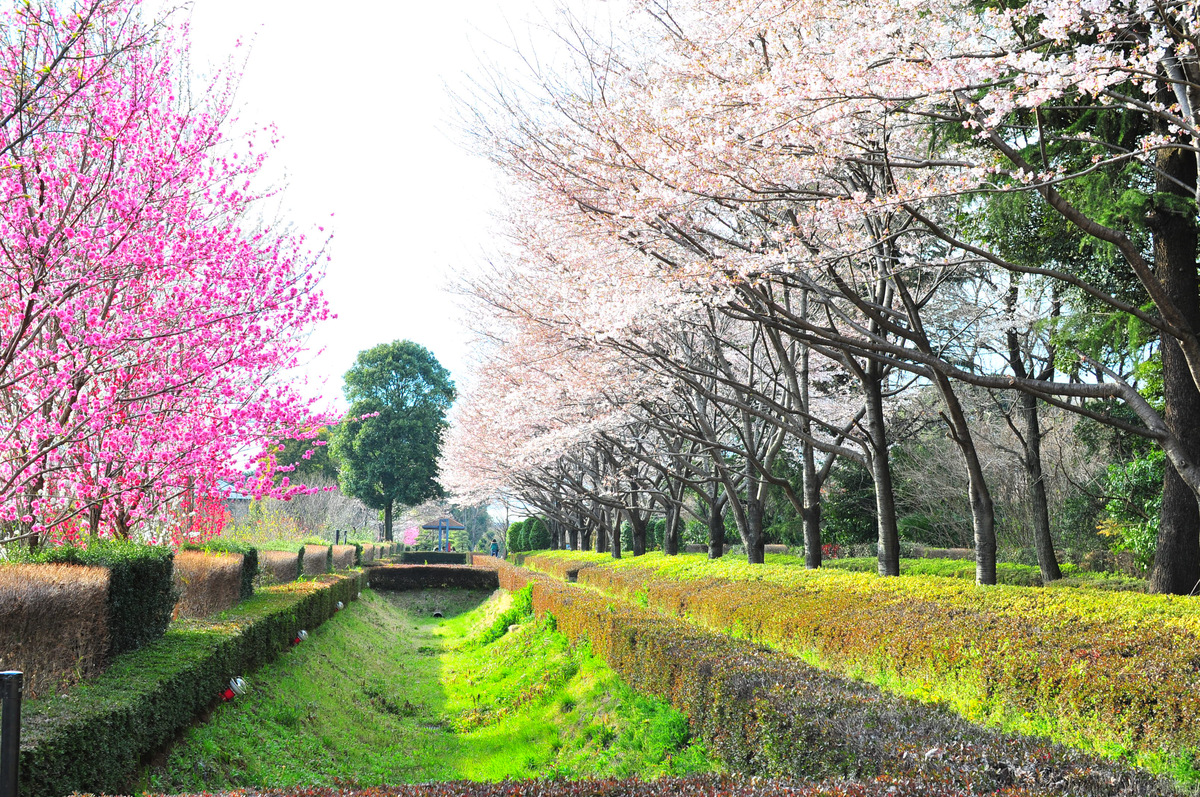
x: 453, y: 524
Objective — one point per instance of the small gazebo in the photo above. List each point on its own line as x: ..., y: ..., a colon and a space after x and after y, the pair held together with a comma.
x: 443, y: 527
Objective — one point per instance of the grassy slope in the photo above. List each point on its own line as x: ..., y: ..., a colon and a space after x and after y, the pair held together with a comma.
x: 385, y: 693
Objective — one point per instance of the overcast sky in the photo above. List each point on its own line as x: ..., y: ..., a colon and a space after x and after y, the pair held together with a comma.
x: 359, y: 94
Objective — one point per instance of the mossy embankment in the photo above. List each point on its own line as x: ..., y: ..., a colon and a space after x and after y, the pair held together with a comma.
x: 388, y: 693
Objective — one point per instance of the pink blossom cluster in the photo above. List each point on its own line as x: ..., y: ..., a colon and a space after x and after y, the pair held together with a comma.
x: 146, y: 313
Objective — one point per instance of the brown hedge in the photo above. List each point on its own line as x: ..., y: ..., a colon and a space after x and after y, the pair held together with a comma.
x: 53, y: 623
x: 207, y: 582
x: 343, y: 557
x: 404, y: 577
x: 764, y: 712
x: 316, y: 560
x: 279, y: 567
x: 694, y: 786
x: 368, y: 552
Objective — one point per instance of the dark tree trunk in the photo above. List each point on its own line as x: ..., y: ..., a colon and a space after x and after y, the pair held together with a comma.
x: 881, y: 474
x: 1043, y: 542
x: 671, y: 531
x: 387, y: 521
x: 812, y: 487
x: 716, y: 530
x: 573, y: 537
x: 1177, y: 560
x: 755, y: 544
x: 615, y: 532
x: 637, y: 524
x: 602, y: 536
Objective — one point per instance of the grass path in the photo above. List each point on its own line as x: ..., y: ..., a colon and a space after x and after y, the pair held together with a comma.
x: 386, y: 693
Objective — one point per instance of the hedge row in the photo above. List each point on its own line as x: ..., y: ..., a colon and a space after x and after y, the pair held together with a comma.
x: 249, y: 558
x: 695, y: 786
x: 1114, y: 672
x: 207, y: 583
x: 141, y: 593
x: 93, y: 739
x: 404, y: 577
x: 53, y: 623
x: 766, y: 713
x: 433, y: 558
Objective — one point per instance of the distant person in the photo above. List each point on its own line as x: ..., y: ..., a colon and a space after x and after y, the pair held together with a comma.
x: 495, y: 549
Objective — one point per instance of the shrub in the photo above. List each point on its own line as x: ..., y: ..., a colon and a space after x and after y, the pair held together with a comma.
x: 537, y: 535
x: 522, y: 608
x: 53, y: 623
x: 94, y: 739
x: 433, y: 558
x: 767, y: 713
x: 1103, y: 670
x: 249, y: 558
x: 520, y: 536
x: 358, y: 554
x: 344, y: 556
x: 404, y: 577
x: 315, y: 559
x: 279, y: 566
x: 207, y: 582
x: 141, y: 592
x: 368, y: 553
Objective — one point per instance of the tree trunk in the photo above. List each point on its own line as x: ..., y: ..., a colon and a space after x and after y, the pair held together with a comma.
x: 812, y: 489
x: 1177, y: 559
x: 602, y: 535
x: 1043, y: 543
x: 716, y: 530
x: 881, y: 474
x: 755, y: 544
x: 637, y: 523
x: 671, y: 531
x: 983, y: 513
x: 387, y: 522
x: 573, y: 537
x: 615, y: 531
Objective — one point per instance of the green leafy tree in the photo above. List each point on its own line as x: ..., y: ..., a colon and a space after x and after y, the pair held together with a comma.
x: 391, y: 456
x: 514, y: 536
x: 537, y: 534
x: 318, y: 464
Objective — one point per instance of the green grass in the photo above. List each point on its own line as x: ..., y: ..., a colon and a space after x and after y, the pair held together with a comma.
x: 386, y: 693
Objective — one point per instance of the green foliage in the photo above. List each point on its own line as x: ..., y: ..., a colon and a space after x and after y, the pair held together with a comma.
x: 1133, y: 509
x: 537, y: 535
x: 141, y: 593
x: 520, y: 611
x: 318, y: 464
x: 248, y: 552
x: 94, y: 739
x: 392, y: 456
x: 848, y: 506
x: 518, y: 539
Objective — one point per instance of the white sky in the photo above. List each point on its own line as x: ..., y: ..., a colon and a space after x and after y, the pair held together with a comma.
x: 359, y: 94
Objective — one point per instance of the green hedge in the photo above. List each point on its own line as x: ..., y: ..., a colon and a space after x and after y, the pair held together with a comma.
x: 141, y: 593
x: 93, y: 739
x: 249, y: 560
x: 764, y: 712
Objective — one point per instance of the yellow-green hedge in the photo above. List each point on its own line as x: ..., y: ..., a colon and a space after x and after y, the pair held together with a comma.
x: 765, y: 712
x: 1117, y: 672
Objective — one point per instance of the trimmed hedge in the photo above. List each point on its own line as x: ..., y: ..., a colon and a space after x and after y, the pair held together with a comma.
x: 402, y: 577
x: 280, y: 566
x: 433, y: 558
x: 53, y: 623
x: 764, y: 712
x: 141, y: 593
x: 344, y: 556
x: 207, y: 582
x: 316, y: 559
x: 93, y: 739
x: 249, y: 558
x: 694, y: 786
x: 1114, y: 672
